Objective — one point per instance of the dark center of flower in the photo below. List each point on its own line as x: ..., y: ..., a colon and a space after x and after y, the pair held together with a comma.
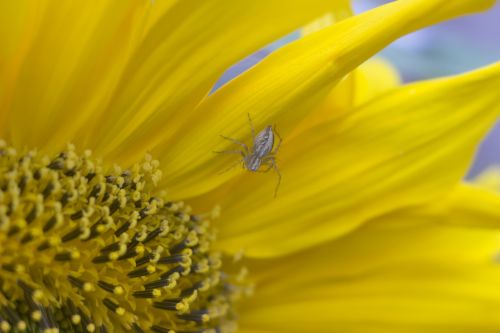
x: 88, y: 250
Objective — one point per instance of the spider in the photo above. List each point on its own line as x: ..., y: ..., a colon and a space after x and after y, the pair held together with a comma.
x: 260, y: 154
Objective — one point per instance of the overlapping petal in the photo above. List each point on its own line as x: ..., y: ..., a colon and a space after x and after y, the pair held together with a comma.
x: 284, y: 87
x: 467, y: 205
x: 373, y: 78
x: 113, y: 75
x: 370, y: 79
x: 489, y: 179
x: 404, y: 148
x: 180, y: 59
x: 388, y: 276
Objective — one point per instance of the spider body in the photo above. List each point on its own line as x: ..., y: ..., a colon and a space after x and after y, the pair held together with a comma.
x: 262, y: 146
x: 252, y: 162
x: 260, y: 154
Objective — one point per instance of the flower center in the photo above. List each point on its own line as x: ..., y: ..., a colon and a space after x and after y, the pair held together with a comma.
x: 83, y: 249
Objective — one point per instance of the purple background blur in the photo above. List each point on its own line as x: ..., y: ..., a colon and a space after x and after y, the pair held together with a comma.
x: 449, y: 48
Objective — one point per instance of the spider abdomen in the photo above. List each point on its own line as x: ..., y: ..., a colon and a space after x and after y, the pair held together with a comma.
x: 252, y: 162
x: 263, y: 143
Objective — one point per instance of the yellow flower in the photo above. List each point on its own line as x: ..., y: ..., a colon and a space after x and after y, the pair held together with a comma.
x: 95, y: 237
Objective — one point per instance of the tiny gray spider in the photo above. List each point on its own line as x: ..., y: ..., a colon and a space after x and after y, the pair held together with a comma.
x: 261, y: 153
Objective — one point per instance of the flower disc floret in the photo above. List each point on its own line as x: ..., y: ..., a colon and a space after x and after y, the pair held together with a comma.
x: 88, y: 249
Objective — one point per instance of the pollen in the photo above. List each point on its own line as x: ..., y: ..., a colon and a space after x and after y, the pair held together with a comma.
x: 85, y: 248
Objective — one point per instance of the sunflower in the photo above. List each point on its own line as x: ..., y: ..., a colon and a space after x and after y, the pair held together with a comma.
x: 114, y: 213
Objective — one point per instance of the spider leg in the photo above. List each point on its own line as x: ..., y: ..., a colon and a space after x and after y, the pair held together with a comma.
x: 269, y: 165
x: 279, y: 141
x: 279, y: 178
x: 230, y: 167
x: 230, y: 152
x: 237, y: 142
x: 271, y: 162
x: 251, y: 126
x: 269, y: 159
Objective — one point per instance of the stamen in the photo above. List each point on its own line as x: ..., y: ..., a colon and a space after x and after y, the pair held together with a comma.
x: 159, y: 329
x: 137, y: 329
x: 113, y: 307
x: 150, y: 293
x: 150, y: 269
x: 67, y: 255
x: 169, y: 305
x: 89, y: 250
x: 200, y: 316
x: 173, y: 259
x: 72, y: 234
x: 115, y: 289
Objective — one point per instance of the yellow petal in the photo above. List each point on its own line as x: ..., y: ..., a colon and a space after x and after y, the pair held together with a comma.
x: 469, y: 205
x: 405, y: 148
x: 180, y: 60
x: 418, y: 278
x: 284, y: 87
x: 374, y: 77
x: 489, y: 179
x: 61, y: 65
x: 99, y: 73
x: 18, y: 17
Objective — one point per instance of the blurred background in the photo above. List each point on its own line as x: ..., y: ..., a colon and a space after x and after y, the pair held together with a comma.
x: 449, y: 48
